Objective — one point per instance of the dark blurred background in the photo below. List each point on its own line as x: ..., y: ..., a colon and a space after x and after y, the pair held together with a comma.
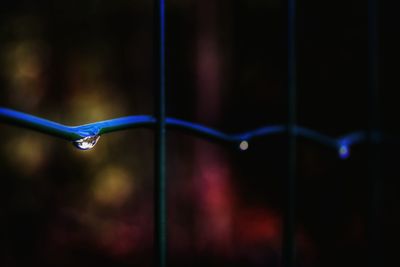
x: 77, y: 62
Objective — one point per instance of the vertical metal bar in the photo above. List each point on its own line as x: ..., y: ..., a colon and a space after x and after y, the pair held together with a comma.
x: 289, y: 218
x: 160, y: 181
x: 374, y: 155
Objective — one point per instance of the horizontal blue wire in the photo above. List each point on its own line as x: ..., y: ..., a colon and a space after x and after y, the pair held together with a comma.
x: 353, y: 138
x: 73, y: 133
x: 315, y: 136
x: 38, y: 124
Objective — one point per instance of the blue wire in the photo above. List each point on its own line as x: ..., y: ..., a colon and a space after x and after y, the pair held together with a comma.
x: 73, y: 133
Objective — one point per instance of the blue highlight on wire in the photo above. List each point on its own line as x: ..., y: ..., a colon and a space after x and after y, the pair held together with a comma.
x: 86, y: 136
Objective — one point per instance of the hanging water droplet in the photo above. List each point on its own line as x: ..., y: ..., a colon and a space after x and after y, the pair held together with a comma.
x: 87, y: 142
x: 244, y: 145
x: 344, y: 151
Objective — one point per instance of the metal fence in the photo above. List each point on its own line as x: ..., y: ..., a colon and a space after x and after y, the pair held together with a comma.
x: 86, y: 136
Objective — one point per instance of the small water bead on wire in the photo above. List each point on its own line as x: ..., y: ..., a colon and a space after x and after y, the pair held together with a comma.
x: 344, y: 151
x: 87, y: 142
x: 244, y: 145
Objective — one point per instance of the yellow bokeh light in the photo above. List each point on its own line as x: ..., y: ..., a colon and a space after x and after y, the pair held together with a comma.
x: 28, y: 153
x: 112, y: 186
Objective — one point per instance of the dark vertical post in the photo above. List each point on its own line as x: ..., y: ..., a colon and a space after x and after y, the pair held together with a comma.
x: 289, y: 217
x: 160, y: 197
x: 374, y: 155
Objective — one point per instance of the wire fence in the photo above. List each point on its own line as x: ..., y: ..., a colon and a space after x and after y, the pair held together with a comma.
x: 86, y: 136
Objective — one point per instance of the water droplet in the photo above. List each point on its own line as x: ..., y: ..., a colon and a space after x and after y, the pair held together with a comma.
x: 87, y: 142
x: 244, y: 145
x: 344, y: 151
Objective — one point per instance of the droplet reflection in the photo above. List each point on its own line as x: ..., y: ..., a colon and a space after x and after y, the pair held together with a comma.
x: 87, y: 142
